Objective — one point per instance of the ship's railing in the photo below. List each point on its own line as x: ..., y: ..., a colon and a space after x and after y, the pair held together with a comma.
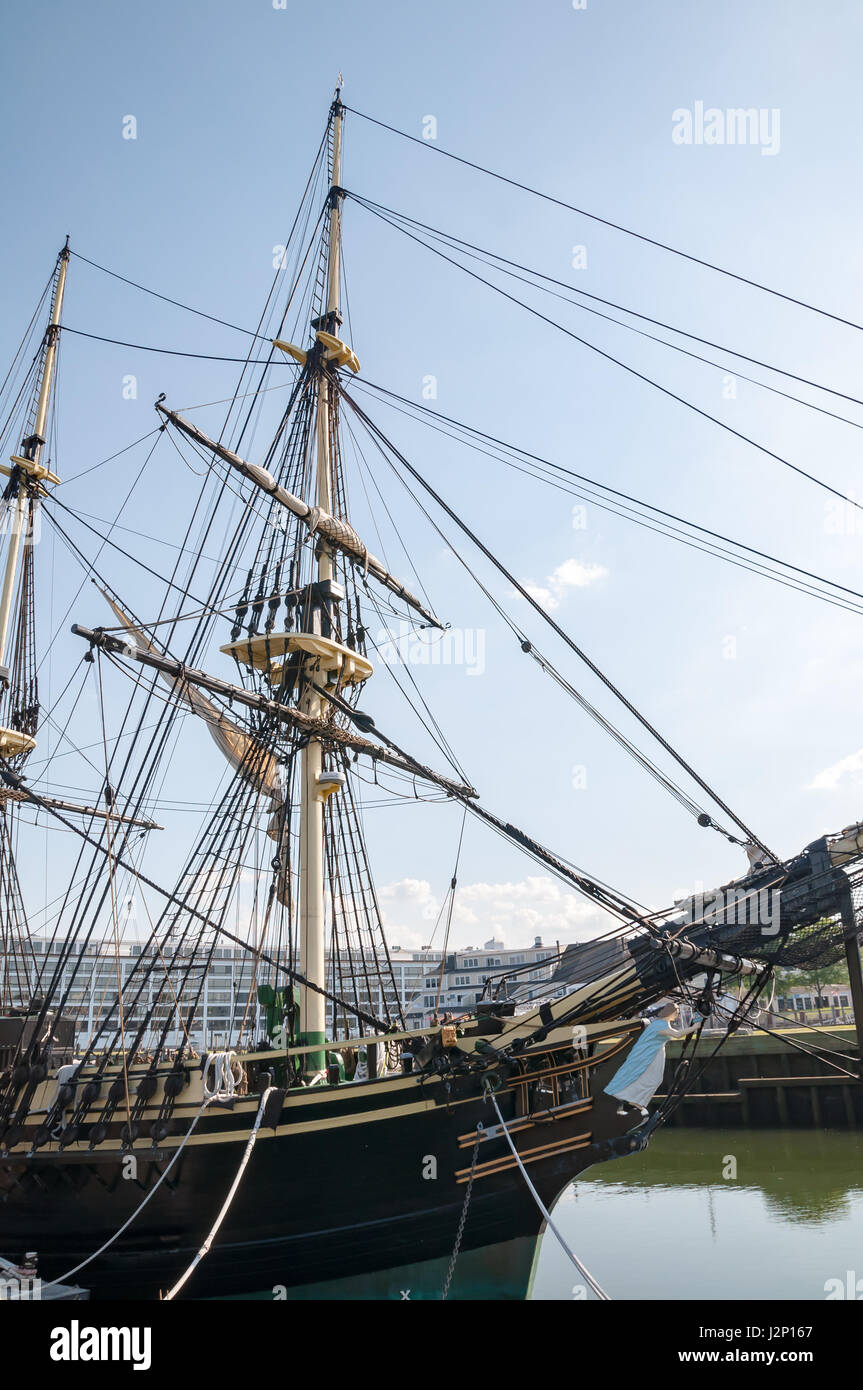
x: 341, y: 1044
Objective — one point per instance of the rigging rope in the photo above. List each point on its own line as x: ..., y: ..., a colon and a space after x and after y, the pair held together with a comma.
x: 599, y: 892
x: 823, y: 1055
x: 167, y: 299
x: 435, y: 420
x: 452, y: 888
x: 11, y: 780
x: 606, y: 222
x: 633, y: 371
x: 547, y: 618
x: 510, y: 267
x: 178, y: 352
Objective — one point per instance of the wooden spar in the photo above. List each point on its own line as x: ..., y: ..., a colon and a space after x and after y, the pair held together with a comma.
x: 11, y: 778
x: 333, y: 530
x: 706, y: 956
x: 117, y: 818
x: 321, y: 728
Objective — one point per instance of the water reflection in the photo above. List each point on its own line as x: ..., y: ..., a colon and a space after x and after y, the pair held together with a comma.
x: 731, y: 1214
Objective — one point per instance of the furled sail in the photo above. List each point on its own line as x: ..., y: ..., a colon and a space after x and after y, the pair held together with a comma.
x: 255, y: 764
x: 847, y: 845
x: 334, y: 530
x: 177, y: 674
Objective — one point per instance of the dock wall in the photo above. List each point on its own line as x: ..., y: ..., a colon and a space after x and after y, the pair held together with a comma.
x: 765, y: 1082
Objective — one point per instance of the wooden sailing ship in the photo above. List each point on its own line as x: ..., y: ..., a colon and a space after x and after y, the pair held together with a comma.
x: 363, y: 1160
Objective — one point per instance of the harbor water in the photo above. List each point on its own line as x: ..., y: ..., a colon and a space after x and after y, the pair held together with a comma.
x: 716, y: 1214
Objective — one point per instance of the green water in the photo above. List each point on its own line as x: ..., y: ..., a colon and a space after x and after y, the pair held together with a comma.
x: 668, y: 1224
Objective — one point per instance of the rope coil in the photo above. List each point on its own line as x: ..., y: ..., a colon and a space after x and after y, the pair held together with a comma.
x: 227, y: 1072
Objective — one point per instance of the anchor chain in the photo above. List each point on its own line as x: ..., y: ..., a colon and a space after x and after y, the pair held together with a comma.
x: 463, y: 1218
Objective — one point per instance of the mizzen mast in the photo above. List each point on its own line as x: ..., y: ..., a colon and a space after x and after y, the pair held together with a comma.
x: 27, y: 478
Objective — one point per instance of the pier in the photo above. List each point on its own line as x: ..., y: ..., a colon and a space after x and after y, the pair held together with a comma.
x: 764, y: 1082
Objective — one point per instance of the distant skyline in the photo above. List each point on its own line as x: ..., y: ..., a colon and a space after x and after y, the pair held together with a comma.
x: 172, y: 143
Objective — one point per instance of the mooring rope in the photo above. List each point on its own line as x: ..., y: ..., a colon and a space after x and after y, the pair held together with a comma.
x: 217, y: 1058
x: 205, y: 1248
x: 126, y: 1224
x: 583, y: 1271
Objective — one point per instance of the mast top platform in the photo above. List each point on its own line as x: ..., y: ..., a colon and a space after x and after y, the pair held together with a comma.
x: 341, y: 665
x: 13, y: 742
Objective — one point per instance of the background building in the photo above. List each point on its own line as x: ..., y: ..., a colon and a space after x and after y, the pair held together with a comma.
x: 221, y: 1000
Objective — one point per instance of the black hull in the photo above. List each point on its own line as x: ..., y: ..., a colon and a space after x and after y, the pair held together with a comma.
x: 299, y: 1216
x: 324, y: 1201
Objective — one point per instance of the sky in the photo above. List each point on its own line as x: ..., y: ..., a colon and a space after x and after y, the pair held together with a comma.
x: 756, y: 685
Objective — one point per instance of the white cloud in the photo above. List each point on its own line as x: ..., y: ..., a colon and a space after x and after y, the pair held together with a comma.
x: 410, y: 910
x: 828, y: 780
x: 544, y: 597
x: 512, y: 912
x: 572, y: 574
x: 407, y: 889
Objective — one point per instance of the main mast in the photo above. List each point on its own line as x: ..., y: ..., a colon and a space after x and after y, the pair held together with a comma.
x: 314, y: 787
x: 319, y: 653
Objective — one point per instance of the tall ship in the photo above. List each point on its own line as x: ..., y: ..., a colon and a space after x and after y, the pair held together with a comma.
x: 331, y: 1151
